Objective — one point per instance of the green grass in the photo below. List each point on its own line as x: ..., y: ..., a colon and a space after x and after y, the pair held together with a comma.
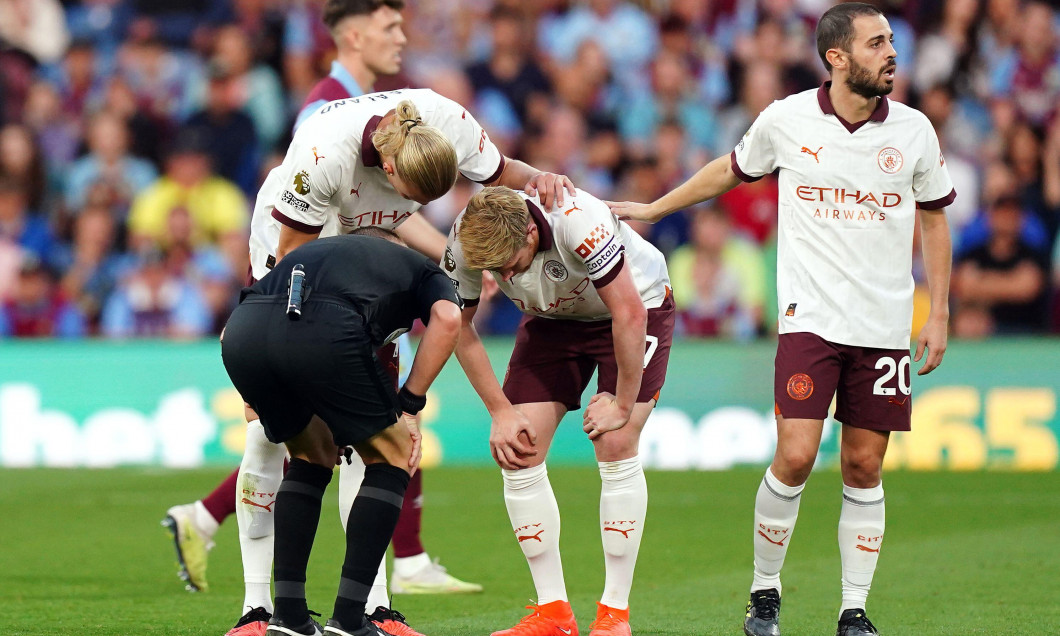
x: 81, y: 552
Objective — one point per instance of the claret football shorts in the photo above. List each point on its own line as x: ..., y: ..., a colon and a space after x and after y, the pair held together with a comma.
x: 871, y: 386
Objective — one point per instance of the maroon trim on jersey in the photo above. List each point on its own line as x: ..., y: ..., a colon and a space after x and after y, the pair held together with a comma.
x: 496, y: 174
x: 543, y: 229
x: 825, y: 101
x: 296, y: 225
x: 328, y: 89
x: 740, y: 174
x: 937, y: 204
x: 369, y: 155
x: 613, y: 274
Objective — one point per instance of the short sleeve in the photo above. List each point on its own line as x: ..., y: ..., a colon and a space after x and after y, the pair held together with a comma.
x: 592, y: 234
x: 754, y: 156
x: 478, y: 158
x: 434, y: 286
x: 308, y: 183
x: 932, y: 187
x: 467, y: 282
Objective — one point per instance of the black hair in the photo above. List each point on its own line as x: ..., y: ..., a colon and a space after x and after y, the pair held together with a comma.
x: 336, y: 10
x: 836, y: 27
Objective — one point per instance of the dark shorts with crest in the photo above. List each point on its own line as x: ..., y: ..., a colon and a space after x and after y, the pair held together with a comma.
x: 322, y: 364
x: 871, y: 386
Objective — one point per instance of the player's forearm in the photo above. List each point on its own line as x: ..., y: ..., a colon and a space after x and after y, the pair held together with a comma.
x: 938, y: 259
x: 713, y: 179
x: 420, y: 235
x: 476, y: 365
x: 628, y: 329
x: 516, y: 174
x: 291, y: 239
x: 437, y: 344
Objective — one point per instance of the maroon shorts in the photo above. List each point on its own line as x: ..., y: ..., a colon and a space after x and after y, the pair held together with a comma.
x: 871, y: 386
x: 554, y: 359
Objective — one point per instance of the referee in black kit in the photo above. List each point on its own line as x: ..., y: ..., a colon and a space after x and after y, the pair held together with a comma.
x: 300, y: 350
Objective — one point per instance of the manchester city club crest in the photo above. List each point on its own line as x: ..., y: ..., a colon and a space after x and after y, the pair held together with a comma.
x: 301, y: 183
x: 555, y: 271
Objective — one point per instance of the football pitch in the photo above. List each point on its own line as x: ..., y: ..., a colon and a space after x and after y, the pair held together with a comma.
x: 965, y: 553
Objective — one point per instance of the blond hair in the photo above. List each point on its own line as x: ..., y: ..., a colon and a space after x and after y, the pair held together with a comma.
x: 493, y: 228
x: 423, y: 157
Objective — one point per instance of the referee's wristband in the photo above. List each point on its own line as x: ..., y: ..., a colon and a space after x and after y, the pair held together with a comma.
x: 410, y: 402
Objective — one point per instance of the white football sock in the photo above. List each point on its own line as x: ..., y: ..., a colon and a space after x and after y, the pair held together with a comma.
x: 623, y: 504
x: 350, y: 477
x: 534, y: 514
x: 260, y: 474
x: 408, y: 566
x: 776, y: 509
x: 861, y: 522
x: 204, y: 521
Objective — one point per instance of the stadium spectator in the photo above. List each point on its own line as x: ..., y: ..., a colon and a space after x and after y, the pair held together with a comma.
x: 21, y: 160
x: 22, y: 226
x: 91, y: 264
x: 1029, y: 71
x: 760, y: 86
x: 37, y: 308
x: 101, y: 22
x: 718, y: 279
x: 108, y: 163
x: 58, y: 136
x: 231, y: 136
x: 255, y: 88
x: 78, y: 80
x: 1004, y: 278
x: 153, y: 302
x: 162, y: 79
x: 216, y: 205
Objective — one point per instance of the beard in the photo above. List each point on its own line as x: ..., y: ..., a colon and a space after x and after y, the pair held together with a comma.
x: 864, y: 82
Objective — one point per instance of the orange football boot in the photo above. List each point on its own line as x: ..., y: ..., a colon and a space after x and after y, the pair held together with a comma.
x: 550, y: 619
x: 610, y: 622
x: 253, y: 623
x: 392, y: 622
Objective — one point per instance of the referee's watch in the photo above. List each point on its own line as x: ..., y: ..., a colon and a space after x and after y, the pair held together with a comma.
x: 410, y: 402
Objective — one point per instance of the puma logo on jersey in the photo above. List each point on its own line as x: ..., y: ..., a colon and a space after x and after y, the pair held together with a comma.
x: 317, y: 157
x: 357, y: 190
x: 807, y: 151
x: 567, y: 212
x: 535, y: 537
x: 267, y: 507
x: 625, y: 533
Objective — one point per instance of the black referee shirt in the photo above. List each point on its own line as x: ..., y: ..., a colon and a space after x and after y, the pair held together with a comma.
x: 389, y: 285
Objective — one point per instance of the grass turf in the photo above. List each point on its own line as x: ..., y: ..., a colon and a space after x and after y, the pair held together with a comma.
x: 972, y: 553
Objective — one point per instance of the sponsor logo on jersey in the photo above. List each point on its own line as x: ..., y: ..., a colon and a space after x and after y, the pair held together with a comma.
x: 807, y: 151
x: 843, y: 196
x: 890, y: 160
x: 791, y: 310
x: 565, y: 301
x: 301, y: 183
x: 316, y: 157
x: 942, y: 160
x: 449, y: 261
x: 800, y: 386
x: 596, y: 237
x: 554, y: 270
x: 293, y: 201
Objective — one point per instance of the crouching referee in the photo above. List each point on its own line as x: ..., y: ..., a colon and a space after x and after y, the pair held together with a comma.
x: 300, y: 350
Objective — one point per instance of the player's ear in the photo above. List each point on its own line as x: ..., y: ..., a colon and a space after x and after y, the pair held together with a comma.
x: 837, y: 58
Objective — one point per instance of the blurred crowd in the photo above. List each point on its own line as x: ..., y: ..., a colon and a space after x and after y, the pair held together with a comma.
x: 135, y: 134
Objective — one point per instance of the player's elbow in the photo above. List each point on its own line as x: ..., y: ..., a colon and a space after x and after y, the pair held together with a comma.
x: 631, y: 315
x: 446, y: 321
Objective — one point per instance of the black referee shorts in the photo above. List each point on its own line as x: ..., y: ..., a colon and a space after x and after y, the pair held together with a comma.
x: 322, y: 364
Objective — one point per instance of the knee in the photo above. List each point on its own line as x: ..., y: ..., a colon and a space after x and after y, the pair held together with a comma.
x: 861, y: 468
x: 792, y: 464
x: 617, y: 445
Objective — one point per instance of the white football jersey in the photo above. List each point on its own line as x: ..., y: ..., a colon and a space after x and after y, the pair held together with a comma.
x: 331, y: 180
x: 582, y: 246
x: 847, y: 208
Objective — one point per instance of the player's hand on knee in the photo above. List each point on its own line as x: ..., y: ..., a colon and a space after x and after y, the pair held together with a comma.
x: 512, y: 440
x: 604, y: 414
x: 417, y: 441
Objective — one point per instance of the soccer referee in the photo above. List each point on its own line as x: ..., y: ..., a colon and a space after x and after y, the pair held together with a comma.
x: 300, y: 350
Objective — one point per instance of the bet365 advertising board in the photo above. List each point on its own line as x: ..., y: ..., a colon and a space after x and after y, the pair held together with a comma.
x: 991, y: 405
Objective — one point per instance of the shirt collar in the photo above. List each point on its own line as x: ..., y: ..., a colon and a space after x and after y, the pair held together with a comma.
x: 342, y: 76
x: 369, y: 155
x: 825, y: 102
x: 544, y: 231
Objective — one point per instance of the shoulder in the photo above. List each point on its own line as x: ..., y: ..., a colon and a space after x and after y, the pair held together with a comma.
x: 902, y: 115
x: 327, y: 89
